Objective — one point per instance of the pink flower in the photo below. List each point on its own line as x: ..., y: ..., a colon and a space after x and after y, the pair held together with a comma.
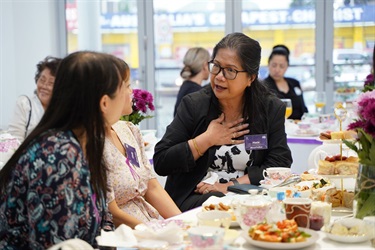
x: 142, y: 102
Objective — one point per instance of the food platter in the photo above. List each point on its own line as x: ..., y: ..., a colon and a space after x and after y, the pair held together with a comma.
x: 284, y: 245
x: 334, y: 141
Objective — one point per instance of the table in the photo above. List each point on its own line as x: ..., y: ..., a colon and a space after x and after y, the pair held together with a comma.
x: 322, y: 243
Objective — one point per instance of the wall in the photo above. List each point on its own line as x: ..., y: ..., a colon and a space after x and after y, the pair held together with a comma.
x: 28, y: 32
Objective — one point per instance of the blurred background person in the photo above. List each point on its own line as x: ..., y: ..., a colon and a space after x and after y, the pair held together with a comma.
x: 285, y: 87
x: 135, y: 195
x: 54, y: 186
x: 29, y: 110
x: 194, y: 72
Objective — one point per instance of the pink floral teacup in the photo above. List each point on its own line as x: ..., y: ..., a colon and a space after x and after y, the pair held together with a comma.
x: 277, y: 175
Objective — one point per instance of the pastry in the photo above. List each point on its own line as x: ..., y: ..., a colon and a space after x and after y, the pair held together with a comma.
x: 337, y: 164
x: 347, y: 135
x: 336, y: 135
x: 326, y: 167
x: 348, y: 198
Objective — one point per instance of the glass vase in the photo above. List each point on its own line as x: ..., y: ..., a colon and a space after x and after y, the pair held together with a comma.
x: 364, y: 199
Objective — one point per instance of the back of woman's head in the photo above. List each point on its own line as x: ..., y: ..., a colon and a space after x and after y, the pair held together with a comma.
x: 82, y: 79
x: 50, y: 63
x: 194, y: 60
x: 280, y: 49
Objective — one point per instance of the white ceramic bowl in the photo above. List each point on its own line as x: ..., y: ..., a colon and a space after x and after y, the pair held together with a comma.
x: 214, y: 218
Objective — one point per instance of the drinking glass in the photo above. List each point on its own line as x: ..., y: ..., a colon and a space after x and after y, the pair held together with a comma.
x: 320, y: 101
x: 289, y: 108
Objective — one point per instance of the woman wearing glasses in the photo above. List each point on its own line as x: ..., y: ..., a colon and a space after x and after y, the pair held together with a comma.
x: 225, y: 134
x: 29, y: 110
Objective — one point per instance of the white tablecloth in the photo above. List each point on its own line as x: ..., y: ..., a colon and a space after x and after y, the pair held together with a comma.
x: 322, y: 243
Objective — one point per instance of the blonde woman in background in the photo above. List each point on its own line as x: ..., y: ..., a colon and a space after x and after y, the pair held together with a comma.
x: 194, y: 72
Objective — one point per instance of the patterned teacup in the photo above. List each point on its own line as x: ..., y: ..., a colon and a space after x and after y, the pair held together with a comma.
x: 277, y: 175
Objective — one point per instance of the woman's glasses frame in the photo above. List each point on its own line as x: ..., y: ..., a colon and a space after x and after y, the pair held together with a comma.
x: 228, y: 73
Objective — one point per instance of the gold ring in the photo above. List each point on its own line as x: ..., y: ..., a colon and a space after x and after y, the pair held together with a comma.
x: 232, y: 141
x: 206, y: 191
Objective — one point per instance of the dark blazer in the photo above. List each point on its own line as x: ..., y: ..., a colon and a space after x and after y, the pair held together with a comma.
x: 186, y: 88
x: 173, y: 157
x: 295, y: 94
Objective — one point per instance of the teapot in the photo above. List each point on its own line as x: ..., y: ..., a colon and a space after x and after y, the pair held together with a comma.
x: 251, y: 209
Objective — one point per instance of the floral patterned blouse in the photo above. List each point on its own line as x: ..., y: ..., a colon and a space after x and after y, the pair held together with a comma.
x: 49, y: 198
x: 128, y: 179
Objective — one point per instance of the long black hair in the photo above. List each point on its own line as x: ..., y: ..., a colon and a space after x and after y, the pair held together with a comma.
x: 82, y: 79
x: 249, y: 53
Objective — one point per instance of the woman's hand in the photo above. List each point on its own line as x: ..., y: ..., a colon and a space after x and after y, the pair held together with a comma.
x: 220, y: 134
x: 204, y: 188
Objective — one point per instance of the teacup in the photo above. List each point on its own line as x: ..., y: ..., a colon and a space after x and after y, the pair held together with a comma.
x: 277, y: 175
x: 205, y: 237
x: 214, y: 218
x: 299, y: 210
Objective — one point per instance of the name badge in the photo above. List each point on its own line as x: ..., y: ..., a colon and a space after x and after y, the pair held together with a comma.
x: 256, y: 142
x: 131, y: 155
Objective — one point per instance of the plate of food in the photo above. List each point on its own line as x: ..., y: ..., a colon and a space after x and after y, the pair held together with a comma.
x: 349, y: 230
x: 271, y: 236
x: 221, y: 204
x: 337, y: 137
x: 306, y: 187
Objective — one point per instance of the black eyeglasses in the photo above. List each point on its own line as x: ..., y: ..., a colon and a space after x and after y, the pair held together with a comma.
x: 228, y: 73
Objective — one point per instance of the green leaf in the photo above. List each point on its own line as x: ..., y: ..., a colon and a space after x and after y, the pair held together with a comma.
x: 351, y: 145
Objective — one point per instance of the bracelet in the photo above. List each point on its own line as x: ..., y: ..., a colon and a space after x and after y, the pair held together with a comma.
x: 196, y: 147
x: 234, y: 180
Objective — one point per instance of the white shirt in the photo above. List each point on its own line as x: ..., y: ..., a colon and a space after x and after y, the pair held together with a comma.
x: 17, y: 126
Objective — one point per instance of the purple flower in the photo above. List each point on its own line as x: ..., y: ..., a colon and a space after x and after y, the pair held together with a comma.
x: 369, y: 80
x: 142, y: 102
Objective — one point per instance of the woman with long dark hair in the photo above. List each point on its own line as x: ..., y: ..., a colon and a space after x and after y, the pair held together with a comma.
x: 54, y: 186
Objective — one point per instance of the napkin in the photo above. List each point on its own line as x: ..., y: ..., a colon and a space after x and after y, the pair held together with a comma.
x: 123, y: 236
x: 162, y: 230
x: 211, y: 178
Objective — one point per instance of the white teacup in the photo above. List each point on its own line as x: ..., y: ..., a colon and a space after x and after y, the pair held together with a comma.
x: 277, y: 175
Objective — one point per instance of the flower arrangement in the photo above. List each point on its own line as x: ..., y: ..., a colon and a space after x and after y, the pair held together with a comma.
x: 142, y: 102
x: 365, y: 127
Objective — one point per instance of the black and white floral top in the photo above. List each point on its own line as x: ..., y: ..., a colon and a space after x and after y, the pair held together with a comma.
x: 230, y: 162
